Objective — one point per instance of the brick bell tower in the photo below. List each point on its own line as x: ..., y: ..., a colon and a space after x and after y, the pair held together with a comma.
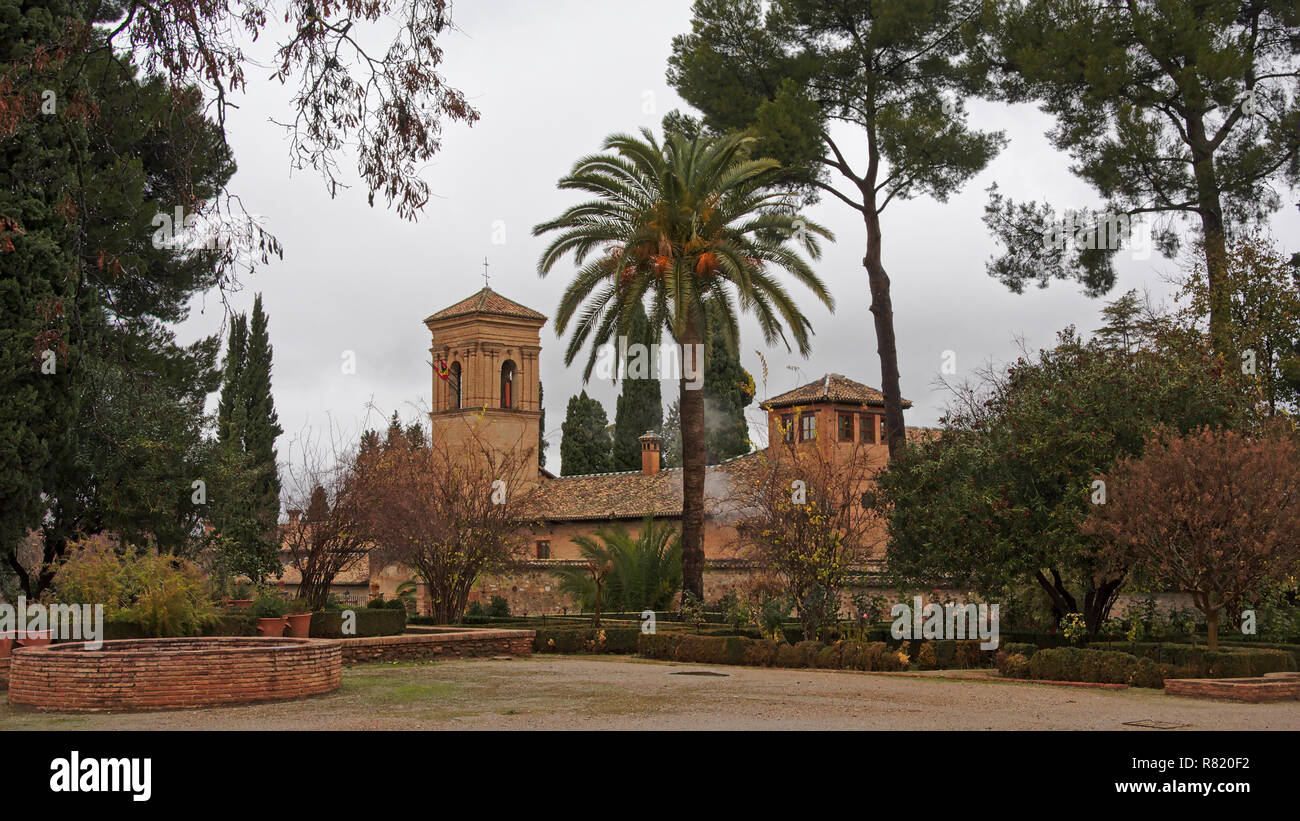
x: 486, y: 347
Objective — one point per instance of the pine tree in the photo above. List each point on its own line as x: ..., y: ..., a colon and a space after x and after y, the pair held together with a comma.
x: 640, y: 405
x: 728, y: 390
x: 585, y: 443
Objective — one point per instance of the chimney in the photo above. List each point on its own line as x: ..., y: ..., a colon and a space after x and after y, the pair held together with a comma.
x: 293, y: 516
x: 650, y: 442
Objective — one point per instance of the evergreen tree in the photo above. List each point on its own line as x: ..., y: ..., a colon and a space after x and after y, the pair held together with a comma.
x: 585, y: 443
x: 263, y: 424
x: 232, y: 380
x: 542, y: 444
x: 671, y: 448
x: 728, y: 390
x: 109, y: 434
x: 640, y: 405
x: 247, y: 507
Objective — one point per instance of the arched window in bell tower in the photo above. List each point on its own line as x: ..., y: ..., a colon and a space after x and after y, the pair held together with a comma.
x: 508, y: 384
x: 455, y: 385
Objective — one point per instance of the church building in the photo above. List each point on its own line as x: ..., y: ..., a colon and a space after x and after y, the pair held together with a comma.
x: 485, y: 352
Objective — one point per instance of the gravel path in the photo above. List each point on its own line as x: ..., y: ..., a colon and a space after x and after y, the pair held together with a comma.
x: 580, y: 693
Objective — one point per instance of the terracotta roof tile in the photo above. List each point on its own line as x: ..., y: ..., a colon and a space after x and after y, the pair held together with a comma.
x: 486, y: 301
x: 830, y: 388
x: 628, y: 495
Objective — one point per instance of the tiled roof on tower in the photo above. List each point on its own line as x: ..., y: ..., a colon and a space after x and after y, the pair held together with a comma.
x: 487, y: 301
x: 832, y: 387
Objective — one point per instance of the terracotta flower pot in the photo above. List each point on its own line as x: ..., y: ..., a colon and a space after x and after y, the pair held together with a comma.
x: 299, y: 625
x: 271, y: 628
x: 34, y: 638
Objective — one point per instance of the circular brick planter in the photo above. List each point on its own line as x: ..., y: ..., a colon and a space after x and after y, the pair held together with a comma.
x: 172, y: 674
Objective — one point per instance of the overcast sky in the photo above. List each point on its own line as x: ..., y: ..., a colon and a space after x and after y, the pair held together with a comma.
x: 551, y: 80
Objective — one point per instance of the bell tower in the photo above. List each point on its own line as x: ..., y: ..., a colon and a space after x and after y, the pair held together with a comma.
x: 485, y: 373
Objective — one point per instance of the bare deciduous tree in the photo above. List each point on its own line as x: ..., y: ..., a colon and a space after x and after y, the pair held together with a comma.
x: 450, y: 511
x: 1214, y: 513
x: 801, y: 516
x: 328, y: 535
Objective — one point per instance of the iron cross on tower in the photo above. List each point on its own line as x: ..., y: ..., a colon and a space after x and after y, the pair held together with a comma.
x: 485, y: 273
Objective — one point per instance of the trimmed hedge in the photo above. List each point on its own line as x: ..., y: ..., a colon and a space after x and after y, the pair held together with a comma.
x: 586, y: 640
x: 841, y: 655
x: 371, y: 621
x: 1139, y: 669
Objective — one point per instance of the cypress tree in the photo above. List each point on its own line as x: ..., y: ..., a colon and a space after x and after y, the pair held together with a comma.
x: 585, y: 444
x: 541, y: 428
x: 728, y: 390
x: 231, y: 380
x: 263, y: 422
x: 640, y: 405
x: 247, y: 507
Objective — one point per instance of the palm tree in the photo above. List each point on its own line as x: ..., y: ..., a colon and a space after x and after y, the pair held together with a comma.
x: 693, y: 228
x: 630, y: 574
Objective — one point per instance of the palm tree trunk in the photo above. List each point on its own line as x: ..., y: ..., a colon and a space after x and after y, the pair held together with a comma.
x: 693, y: 464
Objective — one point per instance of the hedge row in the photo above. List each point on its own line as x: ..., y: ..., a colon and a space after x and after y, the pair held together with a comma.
x: 327, y: 624
x: 841, y: 655
x: 586, y: 640
x: 1137, y: 668
x: 371, y: 621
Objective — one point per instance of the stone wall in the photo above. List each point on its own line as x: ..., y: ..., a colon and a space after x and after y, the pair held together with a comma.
x: 431, y: 644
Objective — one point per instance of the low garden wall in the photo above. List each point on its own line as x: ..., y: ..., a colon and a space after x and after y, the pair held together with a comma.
x: 433, y: 643
x: 171, y: 674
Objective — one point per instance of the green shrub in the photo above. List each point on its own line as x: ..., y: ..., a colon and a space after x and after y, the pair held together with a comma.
x: 1019, y: 648
x: 269, y: 607
x: 162, y: 595
x: 926, y: 657
x: 761, y: 652
x: 369, y: 622
x: 499, y: 608
x: 1013, y: 665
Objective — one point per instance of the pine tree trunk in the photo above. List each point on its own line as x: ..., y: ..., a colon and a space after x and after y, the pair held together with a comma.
x: 882, y: 309
x: 1210, y: 207
x: 693, y: 466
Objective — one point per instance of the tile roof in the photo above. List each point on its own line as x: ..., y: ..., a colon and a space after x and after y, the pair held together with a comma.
x: 486, y: 301
x: 631, y: 494
x: 832, y: 387
x: 634, y: 495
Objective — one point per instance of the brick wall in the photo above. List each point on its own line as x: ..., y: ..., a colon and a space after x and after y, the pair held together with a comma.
x: 442, y: 644
x: 1279, y: 687
x: 170, y: 674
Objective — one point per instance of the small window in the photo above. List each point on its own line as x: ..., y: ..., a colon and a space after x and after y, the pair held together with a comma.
x: 787, y: 427
x: 867, y: 424
x: 807, y: 427
x: 455, y: 384
x: 543, y: 548
x: 846, y: 427
x: 883, y: 436
x: 508, y: 384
